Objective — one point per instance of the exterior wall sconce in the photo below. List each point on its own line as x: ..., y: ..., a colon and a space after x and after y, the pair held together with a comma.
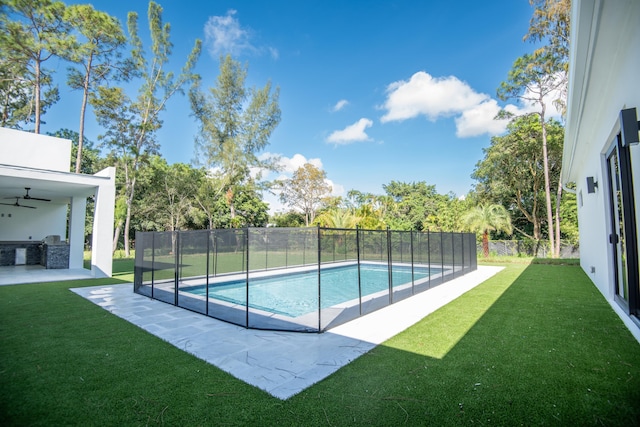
x: 630, y: 126
x: 592, y: 184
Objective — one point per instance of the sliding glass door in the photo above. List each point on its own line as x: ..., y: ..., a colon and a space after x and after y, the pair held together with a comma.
x: 623, y: 227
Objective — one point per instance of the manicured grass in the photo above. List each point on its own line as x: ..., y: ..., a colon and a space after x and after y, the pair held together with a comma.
x: 536, y: 344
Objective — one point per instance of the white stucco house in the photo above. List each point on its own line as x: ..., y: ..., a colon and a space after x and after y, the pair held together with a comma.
x: 602, y: 150
x: 43, y: 206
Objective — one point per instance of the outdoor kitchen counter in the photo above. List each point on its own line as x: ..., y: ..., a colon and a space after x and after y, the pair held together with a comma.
x: 55, y: 256
x: 8, y: 252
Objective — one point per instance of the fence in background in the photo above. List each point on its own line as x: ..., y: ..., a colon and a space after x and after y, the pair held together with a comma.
x: 295, y: 279
x: 528, y: 248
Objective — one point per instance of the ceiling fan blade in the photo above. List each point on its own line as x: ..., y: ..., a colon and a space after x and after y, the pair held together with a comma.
x: 18, y: 205
x: 28, y: 197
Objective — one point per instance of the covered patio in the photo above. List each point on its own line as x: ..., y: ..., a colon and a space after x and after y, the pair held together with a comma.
x: 43, y: 209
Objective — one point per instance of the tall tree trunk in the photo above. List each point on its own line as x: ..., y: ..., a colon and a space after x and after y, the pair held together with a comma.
x: 232, y: 208
x: 37, y: 96
x: 127, y: 221
x: 536, y: 221
x: 116, y: 236
x: 558, y: 200
x: 5, y: 110
x: 547, y: 185
x: 83, y: 109
x: 485, y: 243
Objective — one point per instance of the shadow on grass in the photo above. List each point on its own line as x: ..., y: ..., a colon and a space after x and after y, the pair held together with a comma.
x: 535, y: 344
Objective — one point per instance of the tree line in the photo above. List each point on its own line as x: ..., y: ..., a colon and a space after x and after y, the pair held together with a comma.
x: 518, y: 180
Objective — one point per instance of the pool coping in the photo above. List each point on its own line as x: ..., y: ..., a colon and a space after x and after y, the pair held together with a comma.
x: 280, y: 363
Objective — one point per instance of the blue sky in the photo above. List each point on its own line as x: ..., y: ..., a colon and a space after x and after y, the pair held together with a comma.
x: 370, y: 91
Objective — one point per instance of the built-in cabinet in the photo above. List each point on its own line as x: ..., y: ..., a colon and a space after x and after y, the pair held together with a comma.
x: 35, y: 253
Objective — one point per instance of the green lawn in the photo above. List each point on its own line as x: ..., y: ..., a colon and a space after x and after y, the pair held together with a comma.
x: 535, y: 345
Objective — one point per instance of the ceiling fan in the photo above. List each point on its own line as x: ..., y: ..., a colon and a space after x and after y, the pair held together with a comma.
x: 27, y: 197
x: 17, y: 204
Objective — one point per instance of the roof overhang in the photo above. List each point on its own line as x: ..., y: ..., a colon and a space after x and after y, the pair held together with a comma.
x: 60, y: 187
x: 602, y: 47
x: 585, y: 17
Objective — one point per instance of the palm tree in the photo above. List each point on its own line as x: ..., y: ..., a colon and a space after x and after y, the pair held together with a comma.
x: 337, y: 218
x: 486, y: 218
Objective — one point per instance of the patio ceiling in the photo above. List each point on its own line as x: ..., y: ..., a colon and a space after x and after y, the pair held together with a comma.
x: 59, y: 187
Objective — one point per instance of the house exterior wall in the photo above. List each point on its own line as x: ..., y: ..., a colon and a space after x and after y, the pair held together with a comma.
x: 621, y: 90
x: 592, y: 220
x: 32, y: 224
x: 35, y: 150
x: 604, y: 79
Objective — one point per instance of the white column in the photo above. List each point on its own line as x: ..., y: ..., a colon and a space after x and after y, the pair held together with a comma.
x: 101, y: 251
x: 77, y: 216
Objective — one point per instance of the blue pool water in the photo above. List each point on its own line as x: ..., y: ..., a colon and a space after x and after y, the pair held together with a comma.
x: 295, y: 294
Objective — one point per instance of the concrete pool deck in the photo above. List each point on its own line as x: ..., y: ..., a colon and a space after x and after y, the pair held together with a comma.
x: 280, y: 363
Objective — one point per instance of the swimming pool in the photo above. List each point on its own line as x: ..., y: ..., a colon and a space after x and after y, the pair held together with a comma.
x: 299, y: 279
x: 296, y: 294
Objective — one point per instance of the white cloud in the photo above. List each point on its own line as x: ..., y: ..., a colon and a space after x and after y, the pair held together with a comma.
x: 352, y: 133
x: 290, y: 165
x: 479, y: 119
x: 429, y: 96
x: 273, y: 52
x: 336, y: 189
x: 340, y: 105
x: 440, y: 97
x: 224, y: 34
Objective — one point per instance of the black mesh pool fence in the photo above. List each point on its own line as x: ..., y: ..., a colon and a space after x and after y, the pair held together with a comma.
x: 296, y: 279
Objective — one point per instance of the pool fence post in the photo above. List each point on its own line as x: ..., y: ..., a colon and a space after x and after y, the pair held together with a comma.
x: 462, y: 250
x: 319, y: 282
x: 206, y: 298
x: 389, y: 265
x: 429, y: 257
x: 266, y: 249
x: 153, y: 261
x: 215, y: 253
x: 442, y: 256
x: 358, y: 258
x: 246, y: 250
x: 412, y: 273
x: 176, y: 273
